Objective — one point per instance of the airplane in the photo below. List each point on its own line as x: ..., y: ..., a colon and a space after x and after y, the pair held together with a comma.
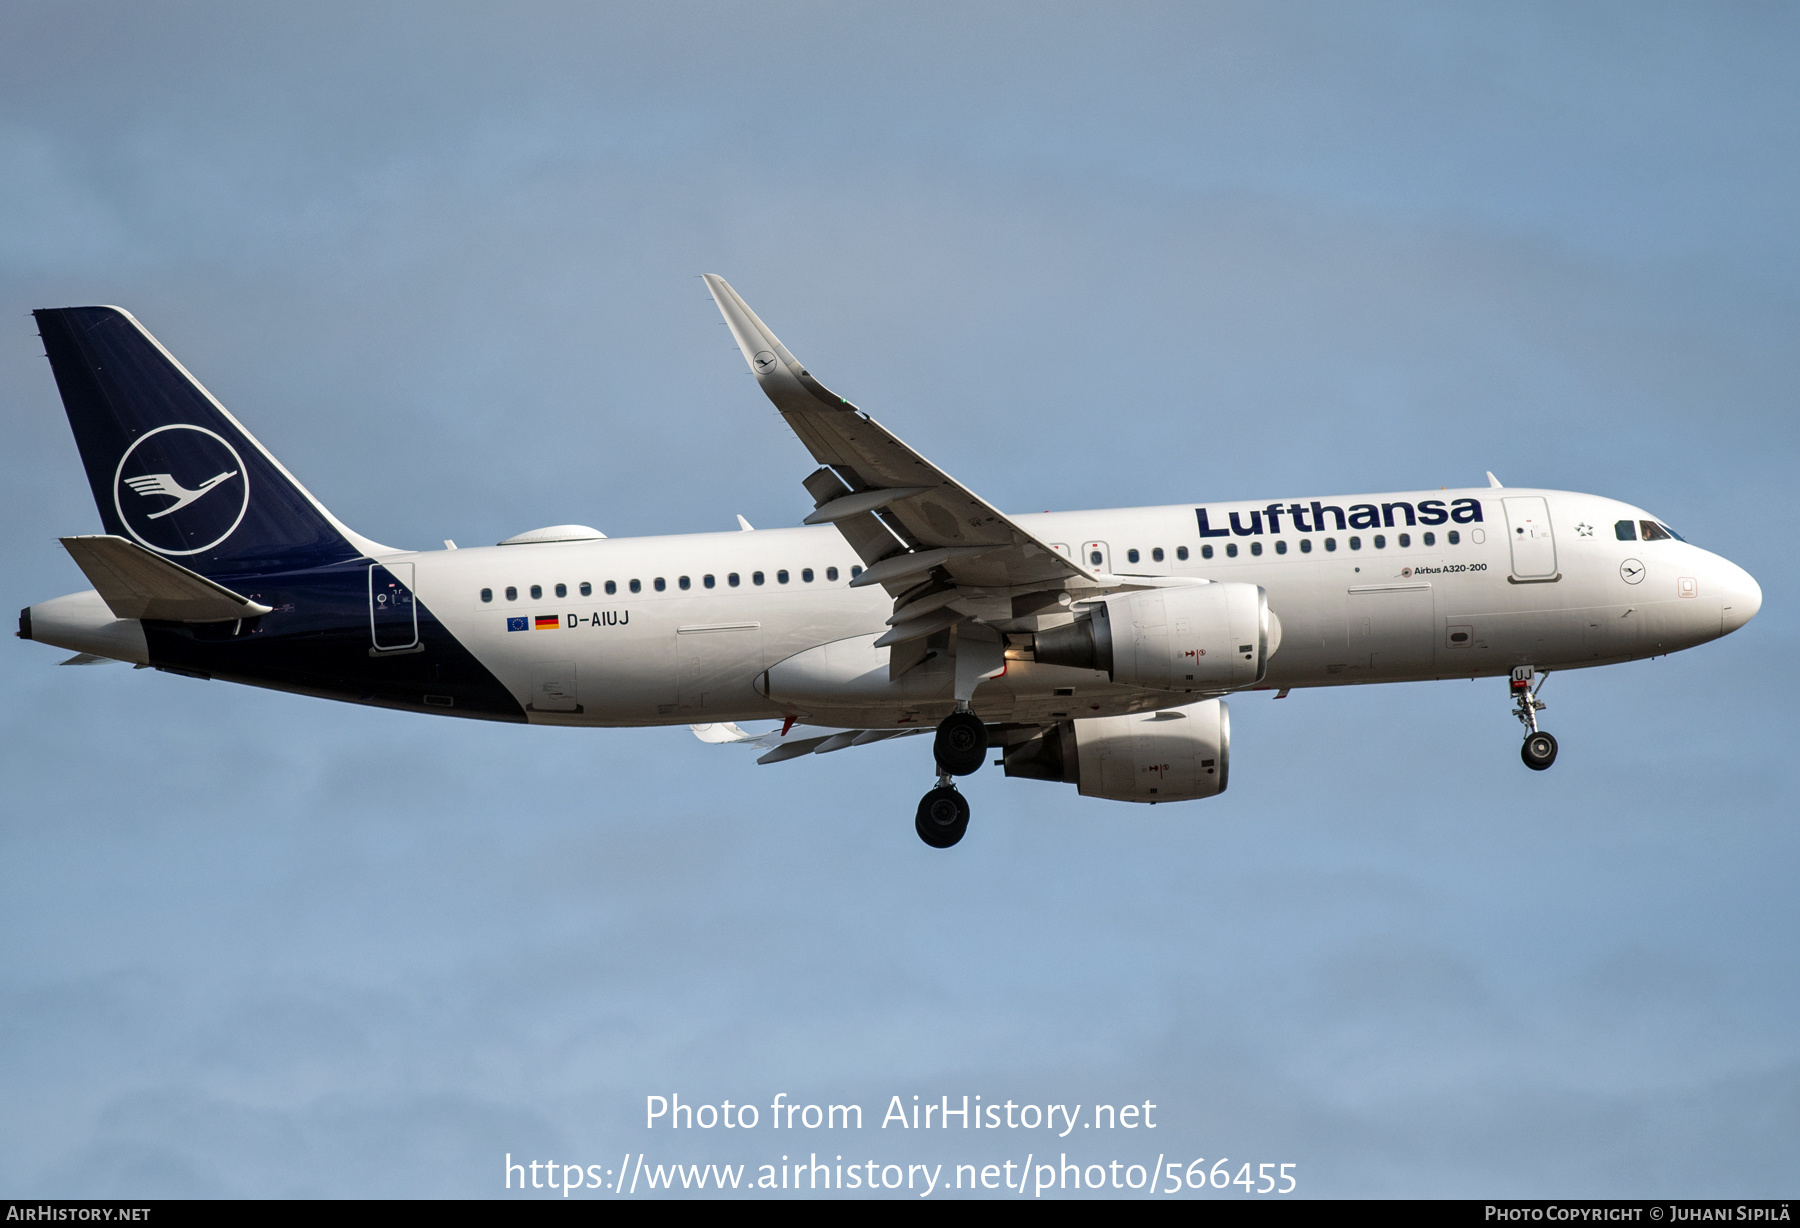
x: 1090, y: 648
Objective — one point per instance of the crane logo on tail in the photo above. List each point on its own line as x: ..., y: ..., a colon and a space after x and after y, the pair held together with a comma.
x: 165, y: 484
x: 161, y: 487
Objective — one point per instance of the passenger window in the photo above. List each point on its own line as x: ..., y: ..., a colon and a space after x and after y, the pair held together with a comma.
x: 1206, y: 552
x: 806, y: 574
x: 1356, y: 543
x: 1380, y: 542
x: 756, y: 577
x: 512, y: 594
x: 1256, y: 548
x: 537, y: 592
x: 1131, y: 555
x: 1453, y: 537
x: 1330, y: 544
x: 855, y: 572
x: 1231, y: 550
x: 637, y: 586
x: 684, y: 584
x: 587, y: 590
x: 1306, y: 545
x: 1405, y: 540
x: 611, y: 587
x: 487, y: 594
x: 831, y: 573
x: 562, y: 590
x: 1094, y: 557
x: 1181, y: 553
x: 732, y: 579
x: 781, y: 576
x: 1280, y: 547
x: 708, y: 581
x: 1431, y: 539
x: 1156, y: 555
x: 1653, y: 532
x: 660, y: 584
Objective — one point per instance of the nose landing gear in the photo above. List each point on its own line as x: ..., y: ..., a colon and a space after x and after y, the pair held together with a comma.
x: 1539, y: 751
x: 960, y: 747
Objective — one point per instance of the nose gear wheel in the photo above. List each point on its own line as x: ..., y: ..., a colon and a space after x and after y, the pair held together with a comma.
x: 1539, y: 751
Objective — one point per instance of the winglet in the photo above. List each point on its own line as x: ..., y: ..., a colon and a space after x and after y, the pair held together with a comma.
x: 761, y: 347
x: 777, y: 371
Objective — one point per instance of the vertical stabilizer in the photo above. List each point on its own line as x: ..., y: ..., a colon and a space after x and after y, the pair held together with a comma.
x: 170, y: 468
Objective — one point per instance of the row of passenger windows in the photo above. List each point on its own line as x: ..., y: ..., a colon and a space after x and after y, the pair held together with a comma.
x: 661, y: 584
x: 1156, y: 555
x: 733, y: 580
x: 1379, y: 541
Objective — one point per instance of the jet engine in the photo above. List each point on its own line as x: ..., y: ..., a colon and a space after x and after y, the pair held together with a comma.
x: 1173, y: 756
x: 1202, y: 637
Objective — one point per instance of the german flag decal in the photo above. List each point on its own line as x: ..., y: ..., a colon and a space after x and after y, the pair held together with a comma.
x: 547, y: 622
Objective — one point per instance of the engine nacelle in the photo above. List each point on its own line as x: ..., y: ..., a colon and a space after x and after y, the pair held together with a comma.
x: 1202, y: 637
x: 1174, y: 756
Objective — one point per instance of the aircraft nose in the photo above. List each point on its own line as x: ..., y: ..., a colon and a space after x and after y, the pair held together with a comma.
x: 1742, y: 598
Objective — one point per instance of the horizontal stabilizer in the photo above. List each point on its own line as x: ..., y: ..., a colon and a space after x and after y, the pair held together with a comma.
x: 136, y: 583
x: 720, y: 734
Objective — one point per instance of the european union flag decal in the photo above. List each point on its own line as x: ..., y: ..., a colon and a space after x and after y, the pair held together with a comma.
x: 518, y: 624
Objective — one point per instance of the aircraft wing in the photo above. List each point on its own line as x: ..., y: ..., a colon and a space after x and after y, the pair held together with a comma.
x: 907, y: 518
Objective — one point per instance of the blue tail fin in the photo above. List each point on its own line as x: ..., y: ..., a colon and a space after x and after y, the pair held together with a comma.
x: 170, y: 468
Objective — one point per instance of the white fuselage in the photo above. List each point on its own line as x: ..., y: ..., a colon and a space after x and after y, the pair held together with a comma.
x: 1372, y: 606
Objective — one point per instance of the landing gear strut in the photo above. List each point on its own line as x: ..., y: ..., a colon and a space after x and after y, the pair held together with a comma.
x: 960, y: 747
x: 1539, y: 751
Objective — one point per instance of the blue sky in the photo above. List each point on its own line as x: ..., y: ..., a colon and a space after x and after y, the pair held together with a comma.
x: 443, y: 261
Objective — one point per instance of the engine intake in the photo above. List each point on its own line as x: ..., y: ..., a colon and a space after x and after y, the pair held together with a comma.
x: 1173, y: 756
x: 1204, y: 637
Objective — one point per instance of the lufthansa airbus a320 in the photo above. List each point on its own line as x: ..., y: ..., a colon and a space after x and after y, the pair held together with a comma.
x: 1092, y: 648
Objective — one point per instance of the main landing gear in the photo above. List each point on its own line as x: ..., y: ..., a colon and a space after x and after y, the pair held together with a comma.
x: 943, y: 816
x: 1539, y: 751
x: 960, y: 747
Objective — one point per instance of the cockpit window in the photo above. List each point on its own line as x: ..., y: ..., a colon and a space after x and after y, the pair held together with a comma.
x: 1625, y: 531
x: 1671, y: 532
x: 1654, y: 532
